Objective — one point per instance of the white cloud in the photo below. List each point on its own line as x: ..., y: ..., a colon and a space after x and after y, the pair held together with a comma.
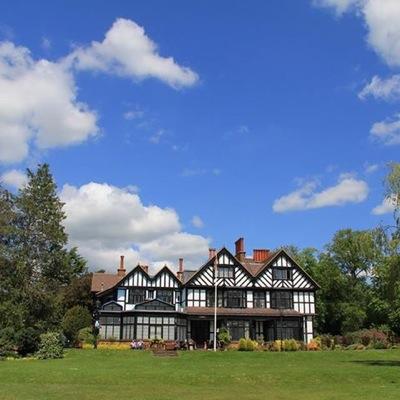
x: 385, y: 89
x: 105, y: 221
x: 188, y: 172
x: 381, y: 18
x: 127, y: 51
x: 40, y: 105
x: 340, y: 6
x: 347, y: 190
x: 197, y: 222
x: 387, y: 206
x: 387, y: 131
x: 14, y: 178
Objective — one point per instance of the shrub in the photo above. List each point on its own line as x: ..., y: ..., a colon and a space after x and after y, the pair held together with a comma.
x: 74, y: 320
x: 356, y: 346
x: 290, y: 345
x: 50, y: 346
x: 224, y: 336
x: 367, y: 337
x: 114, y: 345
x: 379, y: 345
x: 247, y: 345
x: 313, y: 345
x: 85, y: 335
x: 27, y: 341
x: 327, y: 342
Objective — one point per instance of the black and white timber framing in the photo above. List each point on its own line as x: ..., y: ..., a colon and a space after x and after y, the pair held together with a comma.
x: 274, y: 300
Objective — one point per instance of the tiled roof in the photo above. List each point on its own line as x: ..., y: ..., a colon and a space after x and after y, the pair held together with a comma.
x: 187, y: 275
x: 102, y: 281
x: 245, y: 312
x: 254, y: 267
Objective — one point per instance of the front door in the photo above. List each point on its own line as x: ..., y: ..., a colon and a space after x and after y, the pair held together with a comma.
x: 200, y: 331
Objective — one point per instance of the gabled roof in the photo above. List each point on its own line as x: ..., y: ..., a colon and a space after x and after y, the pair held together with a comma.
x: 211, y: 261
x: 278, y: 253
x: 254, y: 267
x: 119, y: 279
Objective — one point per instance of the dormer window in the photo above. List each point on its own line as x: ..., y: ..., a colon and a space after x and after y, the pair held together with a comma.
x: 225, y: 272
x: 281, y: 274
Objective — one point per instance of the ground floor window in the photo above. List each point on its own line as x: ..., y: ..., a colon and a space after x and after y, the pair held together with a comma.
x: 128, y: 328
x: 155, y: 328
x: 110, y: 327
x: 289, y: 329
x: 238, y: 329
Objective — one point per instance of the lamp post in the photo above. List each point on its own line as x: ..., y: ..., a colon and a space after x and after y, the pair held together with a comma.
x: 215, y: 301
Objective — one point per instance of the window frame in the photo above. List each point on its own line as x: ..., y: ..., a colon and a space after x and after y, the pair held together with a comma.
x: 278, y: 302
x: 288, y: 271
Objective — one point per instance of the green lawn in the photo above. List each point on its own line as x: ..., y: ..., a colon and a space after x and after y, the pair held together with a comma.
x: 117, y: 375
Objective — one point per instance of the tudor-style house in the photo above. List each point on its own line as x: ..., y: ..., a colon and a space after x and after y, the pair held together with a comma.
x: 267, y: 296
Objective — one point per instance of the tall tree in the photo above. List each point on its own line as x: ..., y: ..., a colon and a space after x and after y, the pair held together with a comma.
x: 43, y: 238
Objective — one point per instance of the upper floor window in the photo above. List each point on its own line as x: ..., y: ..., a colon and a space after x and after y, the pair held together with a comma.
x: 281, y: 273
x: 259, y: 299
x: 282, y: 299
x: 136, y: 296
x: 228, y: 298
x: 165, y: 295
x: 225, y: 272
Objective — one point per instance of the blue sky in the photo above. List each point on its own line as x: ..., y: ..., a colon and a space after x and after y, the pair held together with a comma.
x: 273, y: 120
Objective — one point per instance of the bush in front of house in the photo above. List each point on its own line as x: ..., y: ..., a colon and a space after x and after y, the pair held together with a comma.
x: 224, y: 337
x: 290, y: 345
x: 85, y: 336
x: 74, y: 320
x: 247, y: 345
x: 313, y: 345
x: 51, y: 346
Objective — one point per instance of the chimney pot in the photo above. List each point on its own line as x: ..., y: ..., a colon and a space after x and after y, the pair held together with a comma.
x: 121, y: 270
x: 240, y: 251
x: 181, y: 264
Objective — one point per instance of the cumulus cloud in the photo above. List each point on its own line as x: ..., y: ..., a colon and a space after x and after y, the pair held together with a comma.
x: 347, y: 190
x: 14, y: 178
x: 127, y: 51
x: 382, y: 21
x: 40, y: 105
x: 388, y: 131
x: 105, y: 221
x: 387, y: 206
x: 385, y: 89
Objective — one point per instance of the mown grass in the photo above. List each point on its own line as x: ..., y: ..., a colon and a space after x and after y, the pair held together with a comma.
x: 113, y: 374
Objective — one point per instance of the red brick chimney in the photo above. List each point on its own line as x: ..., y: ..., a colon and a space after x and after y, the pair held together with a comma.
x: 179, y: 274
x: 121, y: 270
x: 260, y: 255
x: 240, y: 251
x: 211, y: 253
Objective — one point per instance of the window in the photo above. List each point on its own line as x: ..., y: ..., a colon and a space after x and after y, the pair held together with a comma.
x: 281, y: 273
x: 282, y: 299
x: 156, y: 327
x: 128, y: 328
x: 238, y: 329
x: 228, y: 298
x: 259, y: 299
x: 110, y: 327
x: 165, y: 295
x: 136, y: 296
x: 150, y: 294
x: 288, y: 329
x: 225, y: 272
x: 232, y: 299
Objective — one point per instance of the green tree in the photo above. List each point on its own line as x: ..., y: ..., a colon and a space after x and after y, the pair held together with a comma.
x: 74, y: 320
